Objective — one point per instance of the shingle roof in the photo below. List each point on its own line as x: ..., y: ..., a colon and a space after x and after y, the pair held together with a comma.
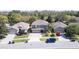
x: 40, y: 22
x: 59, y: 24
x: 21, y: 25
x: 77, y: 19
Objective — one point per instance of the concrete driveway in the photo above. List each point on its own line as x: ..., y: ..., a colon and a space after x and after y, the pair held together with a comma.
x: 61, y: 38
x: 8, y: 38
x: 34, y: 37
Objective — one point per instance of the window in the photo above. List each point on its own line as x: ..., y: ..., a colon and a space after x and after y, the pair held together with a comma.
x: 33, y: 26
x: 41, y: 26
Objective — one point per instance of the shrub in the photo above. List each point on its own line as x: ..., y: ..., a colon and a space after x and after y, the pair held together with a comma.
x: 52, y: 35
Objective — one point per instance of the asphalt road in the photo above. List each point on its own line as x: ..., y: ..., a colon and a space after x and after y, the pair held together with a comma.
x: 40, y: 45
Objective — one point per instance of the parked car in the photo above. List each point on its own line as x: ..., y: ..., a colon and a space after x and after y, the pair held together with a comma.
x: 50, y: 40
x: 58, y: 34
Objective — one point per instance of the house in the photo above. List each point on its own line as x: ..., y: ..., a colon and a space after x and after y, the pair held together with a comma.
x: 21, y: 25
x: 59, y: 27
x: 39, y: 25
x: 76, y: 22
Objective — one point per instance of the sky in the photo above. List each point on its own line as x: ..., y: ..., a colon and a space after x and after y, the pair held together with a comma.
x: 59, y: 5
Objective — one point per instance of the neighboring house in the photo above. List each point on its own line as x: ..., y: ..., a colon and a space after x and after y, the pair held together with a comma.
x: 76, y: 23
x: 21, y: 25
x: 77, y: 20
x: 39, y: 25
x: 59, y: 27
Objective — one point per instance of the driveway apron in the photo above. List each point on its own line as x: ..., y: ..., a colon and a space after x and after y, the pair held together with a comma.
x: 34, y: 37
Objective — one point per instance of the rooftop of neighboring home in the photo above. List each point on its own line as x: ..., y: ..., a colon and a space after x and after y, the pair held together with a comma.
x: 59, y: 24
x: 21, y: 25
x: 77, y: 19
x: 76, y: 23
x: 40, y: 22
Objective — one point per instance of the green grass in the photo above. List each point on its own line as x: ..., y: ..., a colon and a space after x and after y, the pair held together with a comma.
x: 48, y: 35
x: 43, y: 39
x: 21, y: 38
x: 77, y: 37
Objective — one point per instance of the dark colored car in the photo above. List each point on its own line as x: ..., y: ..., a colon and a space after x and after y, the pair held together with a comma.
x: 58, y: 34
x: 50, y: 40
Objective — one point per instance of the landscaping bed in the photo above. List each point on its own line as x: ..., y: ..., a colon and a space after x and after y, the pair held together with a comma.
x: 47, y: 35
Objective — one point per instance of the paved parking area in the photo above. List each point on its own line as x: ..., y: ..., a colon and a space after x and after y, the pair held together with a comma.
x: 60, y: 38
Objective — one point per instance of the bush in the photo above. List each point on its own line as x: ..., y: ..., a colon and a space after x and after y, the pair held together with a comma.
x: 2, y: 36
x: 52, y: 35
x: 71, y: 30
x: 72, y: 40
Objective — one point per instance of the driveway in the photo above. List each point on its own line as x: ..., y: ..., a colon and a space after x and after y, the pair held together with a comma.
x: 34, y: 37
x: 8, y: 38
x: 61, y: 38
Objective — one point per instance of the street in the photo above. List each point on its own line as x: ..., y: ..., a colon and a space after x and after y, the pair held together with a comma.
x: 40, y: 45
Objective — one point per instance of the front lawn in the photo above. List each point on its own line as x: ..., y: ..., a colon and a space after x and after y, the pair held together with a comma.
x: 77, y: 37
x: 47, y: 35
x: 43, y: 39
x: 22, y: 38
x: 19, y: 40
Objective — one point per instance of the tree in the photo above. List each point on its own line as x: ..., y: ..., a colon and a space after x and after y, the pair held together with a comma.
x: 70, y: 18
x: 71, y: 30
x: 31, y: 19
x: 77, y: 30
x: 3, y: 19
x: 42, y: 17
x: 3, y: 29
x: 49, y: 19
x: 14, y: 17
